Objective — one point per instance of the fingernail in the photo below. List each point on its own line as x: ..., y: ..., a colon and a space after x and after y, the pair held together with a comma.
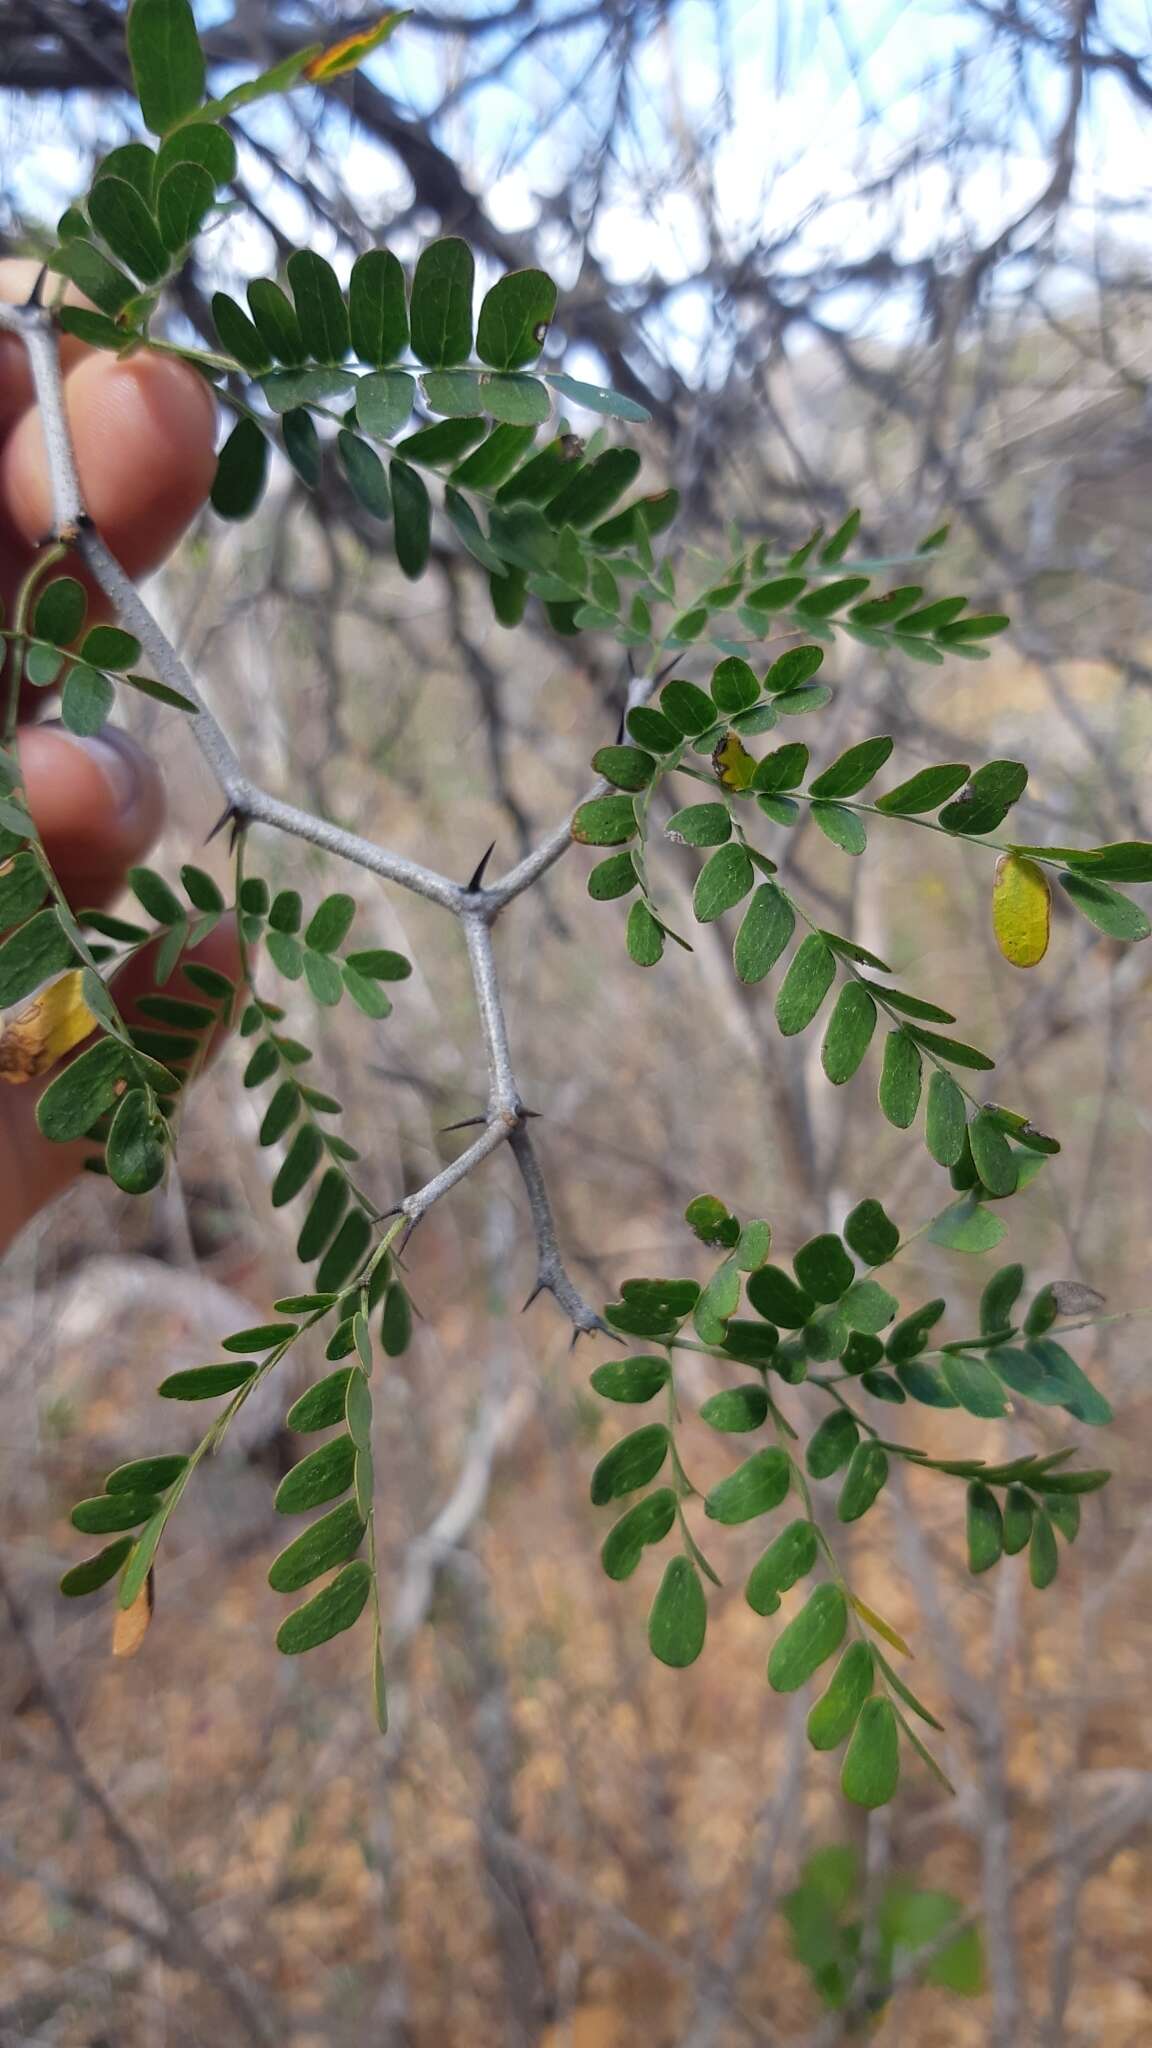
x: 119, y: 760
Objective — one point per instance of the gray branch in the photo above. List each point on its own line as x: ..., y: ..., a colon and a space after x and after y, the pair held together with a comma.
x: 477, y: 909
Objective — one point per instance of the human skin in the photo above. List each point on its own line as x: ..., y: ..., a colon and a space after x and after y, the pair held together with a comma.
x: 143, y: 430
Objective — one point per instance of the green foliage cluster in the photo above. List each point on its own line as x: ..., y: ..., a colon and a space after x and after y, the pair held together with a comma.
x: 825, y: 1915
x: 829, y: 1323
x: 434, y: 412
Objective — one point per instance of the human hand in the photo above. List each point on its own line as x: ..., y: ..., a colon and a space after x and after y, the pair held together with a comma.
x: 143, y: 431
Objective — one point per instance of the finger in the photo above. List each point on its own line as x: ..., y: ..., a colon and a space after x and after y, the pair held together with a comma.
x: 143, y: 430
x: 98, y: 805
x: 18, y: 275
x: 35, y: 1171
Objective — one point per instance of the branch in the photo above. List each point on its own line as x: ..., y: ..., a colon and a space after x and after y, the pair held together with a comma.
x: 475, y: 907
x: 551, y: 1276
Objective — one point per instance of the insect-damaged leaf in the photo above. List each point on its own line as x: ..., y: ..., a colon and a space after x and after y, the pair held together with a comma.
x: 786, y: 1561
x: 648, y: 1522
x: 514, y: 319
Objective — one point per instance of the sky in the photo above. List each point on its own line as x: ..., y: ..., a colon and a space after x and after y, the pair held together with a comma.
x: 801, y: 104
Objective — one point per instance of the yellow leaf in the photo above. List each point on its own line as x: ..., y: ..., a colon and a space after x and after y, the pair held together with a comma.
x: 131, y: 1624
x: 882, y: 1627
x: 733, y: 763
x: 346, y: 55
x: 1021, y: 910
x: 36, y: 1033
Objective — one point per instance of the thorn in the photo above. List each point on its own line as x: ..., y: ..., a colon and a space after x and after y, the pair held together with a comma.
x: 397, y: 1209
x: 478, y: 872
x: 622, y: 725
x: 523, y: 1113
x: 465, y: 1124
x: 230, y: 816
x: 34, y: 297
x: 537, y: 1291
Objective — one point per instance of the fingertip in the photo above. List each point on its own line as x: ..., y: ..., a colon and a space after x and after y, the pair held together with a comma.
x: 98, y: 804
x: 144, y: 434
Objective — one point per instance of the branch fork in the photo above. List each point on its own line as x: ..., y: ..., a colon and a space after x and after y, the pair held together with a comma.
x: 475, y: 907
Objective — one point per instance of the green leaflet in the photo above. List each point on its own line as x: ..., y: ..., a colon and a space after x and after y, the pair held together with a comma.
x: 631, y: 1379
x: 320, y: 1476
x: 378, y: 313
x: 764, y: 933
x: 722, y: 882
x: 756, y: 1486
x: 872, y: 1766
x: 835, y: 1713
x: 787, y: 1560
x: 807, y: 982
x: 646, y: 1523
x: 1113, y: 914
x: 809, y: 1639
x: 167, y: 61
x: 945, y: 1123
x: 852, y: 770
x: 630, y: 1463
x: 901, y: 1079
x: 1043, y: 1556
x: 736, y: 1409
x: 679, y: 1617
x: 832, y: 1444
x: 973, y: 1384
x: 824, y: 1268
x: 849, y: 1032
x: 867, y: 1473
x: 441, y: 308
x: 328, y: 1542
x: 871, y: 1233
x: 336, y: 1608
x: 985, y: 1528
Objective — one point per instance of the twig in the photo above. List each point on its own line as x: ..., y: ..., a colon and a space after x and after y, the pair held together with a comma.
x: 476, y: 908
x: 256, y: 2024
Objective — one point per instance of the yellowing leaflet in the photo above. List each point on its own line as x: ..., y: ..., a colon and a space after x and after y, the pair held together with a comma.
x: 36, y: 1033
x: 733, y: 763
x: 1021, y: 910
